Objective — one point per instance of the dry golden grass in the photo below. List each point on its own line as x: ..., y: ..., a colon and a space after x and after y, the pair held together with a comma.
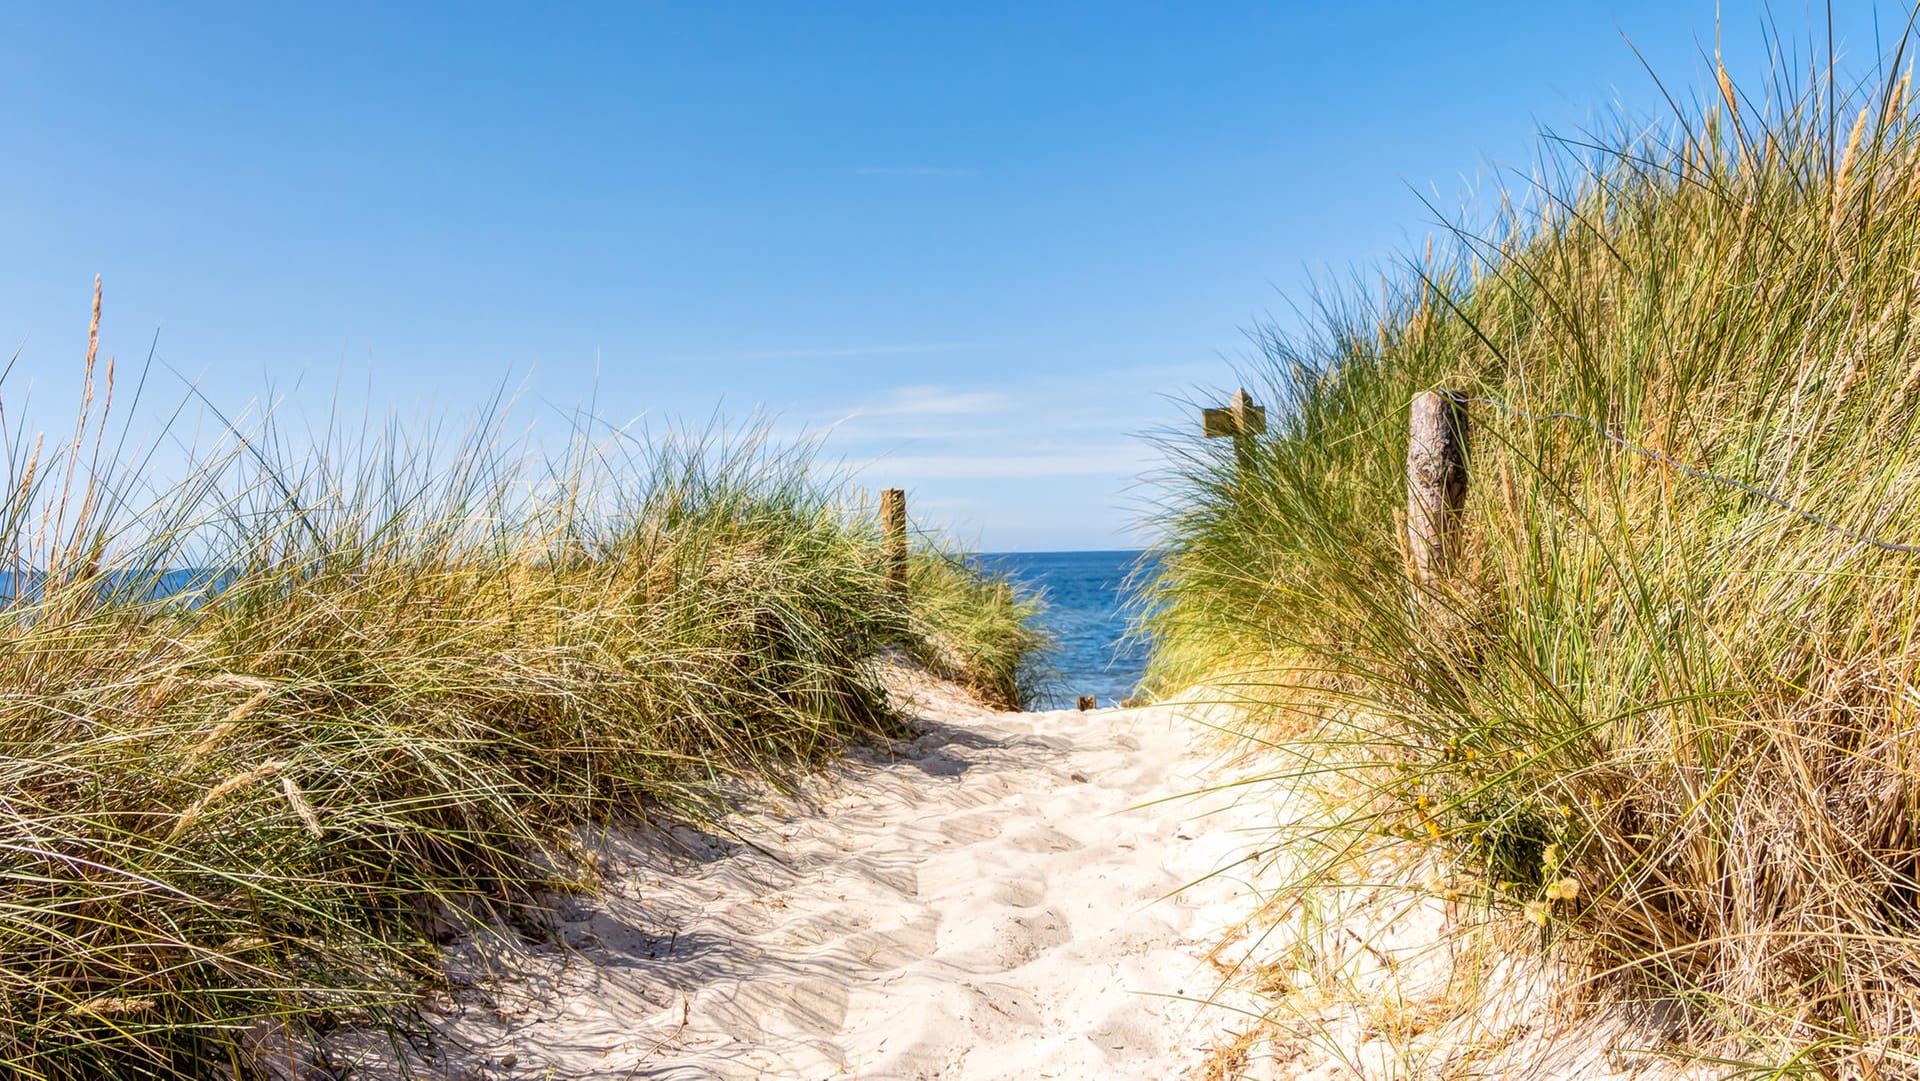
x: 265, y: 732
x: 1668, y: 719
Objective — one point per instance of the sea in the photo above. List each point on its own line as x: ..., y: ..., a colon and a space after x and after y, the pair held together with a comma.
x: 1085, y: 594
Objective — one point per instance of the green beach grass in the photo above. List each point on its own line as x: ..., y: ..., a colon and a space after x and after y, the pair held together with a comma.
x: 1666, y: 718
x: 401, y: 681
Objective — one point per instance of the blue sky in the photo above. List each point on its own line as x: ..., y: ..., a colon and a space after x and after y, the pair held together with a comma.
x: 988, y: 244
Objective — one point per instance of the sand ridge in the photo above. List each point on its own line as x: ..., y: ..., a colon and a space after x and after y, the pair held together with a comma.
x: 1000, y: 897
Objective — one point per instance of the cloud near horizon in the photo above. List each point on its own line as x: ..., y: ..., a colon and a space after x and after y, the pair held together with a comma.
x: 828, y: 352
x: 1115, y: 459
x: 1041, y: 460
x: 1002, y: 431
x: 935, y: 401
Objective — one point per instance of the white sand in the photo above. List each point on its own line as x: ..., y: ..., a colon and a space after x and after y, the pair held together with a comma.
x: 990, y: 901
x: 1381, y: 980
x: 1018, y: 895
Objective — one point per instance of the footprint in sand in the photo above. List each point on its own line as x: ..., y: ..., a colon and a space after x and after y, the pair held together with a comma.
x: 878, y: 950
x: 1023, y: 938
x: 1038, y: 838
x: 720, y: 1006
x: 815, y: 1006
x: 1020, y: 893
x: 997, y: 941
x: 901, y: 878
x: 971, y: 829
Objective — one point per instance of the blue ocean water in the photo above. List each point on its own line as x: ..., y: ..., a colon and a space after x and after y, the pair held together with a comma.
x: 1084, y: 592
x: 132, y: 587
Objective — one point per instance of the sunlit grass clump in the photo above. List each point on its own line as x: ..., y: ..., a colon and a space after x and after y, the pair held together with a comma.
x: 974, y: 627
x: 245, y: 797
x: 1668, y: 719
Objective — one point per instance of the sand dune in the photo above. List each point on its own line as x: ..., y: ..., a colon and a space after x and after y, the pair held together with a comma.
x: 998, y: 898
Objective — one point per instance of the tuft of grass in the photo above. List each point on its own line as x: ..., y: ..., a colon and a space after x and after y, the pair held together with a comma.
x: 1665, y: 718
x: 267, y: 731
x: 973, y: 626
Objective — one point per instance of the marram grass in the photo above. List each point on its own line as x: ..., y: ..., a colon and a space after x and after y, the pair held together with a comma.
x: 1670, y: 721
x: 974, y: 627
x: 251, y: 796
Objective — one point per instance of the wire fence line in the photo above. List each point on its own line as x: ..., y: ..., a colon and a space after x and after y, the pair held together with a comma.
x: 1692, y: 471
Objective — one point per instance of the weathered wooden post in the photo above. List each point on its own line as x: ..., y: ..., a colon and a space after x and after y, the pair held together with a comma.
x: 1086, y: 702
x: 1242, y: 420
x: 893, y: 535
x: 1436, y: 484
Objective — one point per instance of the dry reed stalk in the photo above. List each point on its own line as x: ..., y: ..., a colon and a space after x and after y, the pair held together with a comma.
x: 227, y: 724
x: 93, y: 478
x: 240, y: 681
x: 79, y: 427
x: 1844, y: 174
x: 1726, y: 84
x: 231, y: 784
x: 25, y: 491
x: 162, y: 692
x: 112, y: 1006
x: 301, y: 808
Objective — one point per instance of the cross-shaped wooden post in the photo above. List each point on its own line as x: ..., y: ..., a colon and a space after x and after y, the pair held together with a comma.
x: 1242, y: 420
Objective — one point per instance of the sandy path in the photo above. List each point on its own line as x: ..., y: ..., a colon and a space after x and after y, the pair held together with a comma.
x: 990, y: 901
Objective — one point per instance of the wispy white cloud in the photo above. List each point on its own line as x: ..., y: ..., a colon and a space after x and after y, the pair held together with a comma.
x: 912, y: 170
x: 1112, y: 460
x: 1039, y: 414
x: 934, y: 401
x: 828, y: 352
x: 1029, y: 459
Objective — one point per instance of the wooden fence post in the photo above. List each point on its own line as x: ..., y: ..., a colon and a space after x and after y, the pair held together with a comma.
x: 1085, y: 702
x: 893, y: 535
x: 1242, y: 420
x: 1436, y: 484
